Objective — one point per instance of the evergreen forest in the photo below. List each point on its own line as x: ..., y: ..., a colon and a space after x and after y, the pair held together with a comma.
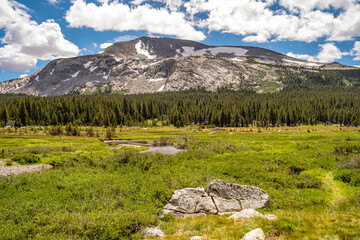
x: 220, y: 109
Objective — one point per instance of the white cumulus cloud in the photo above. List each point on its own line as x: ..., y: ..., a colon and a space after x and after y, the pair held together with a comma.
x: 301, y: 56
x: 297, y: 20
x: 121, y: 17
x: 54, y: 1
x: 172, y: 4
x: 26, y: 41
x: 356, y: 51
x: 329, y: 53
x: 124, y: 38
x: 105, y: 45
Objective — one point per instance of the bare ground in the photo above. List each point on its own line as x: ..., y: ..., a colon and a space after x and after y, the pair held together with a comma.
x: 16, y: 170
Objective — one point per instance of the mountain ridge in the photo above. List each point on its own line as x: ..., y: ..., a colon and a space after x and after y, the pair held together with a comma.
x: 146, y: 65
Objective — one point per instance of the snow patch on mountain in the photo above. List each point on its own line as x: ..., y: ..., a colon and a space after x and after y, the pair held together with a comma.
x: 162, y: 88
x: 142, y: 49
x: 75, y: 75
x: 302, y: 63
x: 93, y: 68
x: 87, y: 65
x: 156, y: 79
x: 237, y: 59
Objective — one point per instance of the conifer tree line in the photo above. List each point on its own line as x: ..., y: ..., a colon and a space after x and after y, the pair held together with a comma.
x: 222, y: 109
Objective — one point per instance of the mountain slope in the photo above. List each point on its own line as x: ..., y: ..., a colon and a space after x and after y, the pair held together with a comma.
x: 146, y: 65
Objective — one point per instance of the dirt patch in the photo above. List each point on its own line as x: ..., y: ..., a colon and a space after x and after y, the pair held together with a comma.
x: 16, y: 170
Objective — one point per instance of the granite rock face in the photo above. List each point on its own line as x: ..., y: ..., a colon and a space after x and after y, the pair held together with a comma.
x: 148, y: 65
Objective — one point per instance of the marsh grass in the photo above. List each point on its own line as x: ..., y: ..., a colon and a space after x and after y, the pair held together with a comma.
x: 96, y: 192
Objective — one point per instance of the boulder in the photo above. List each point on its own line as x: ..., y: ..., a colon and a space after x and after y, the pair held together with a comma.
x: 190, y: 201
x: 226, y: 205
x: 249, y: 196
x: 218, y: 198
x: 154, y: 232
x: 270, y: 217
x: 250, y: 213
x: 256, y: 234
x: 196, y: 237
x: 247, y: 213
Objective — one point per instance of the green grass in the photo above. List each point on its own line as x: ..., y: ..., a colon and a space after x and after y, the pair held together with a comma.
x: 98, y: 192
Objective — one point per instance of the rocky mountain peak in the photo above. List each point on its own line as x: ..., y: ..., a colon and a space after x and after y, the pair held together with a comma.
x: 146, y: 65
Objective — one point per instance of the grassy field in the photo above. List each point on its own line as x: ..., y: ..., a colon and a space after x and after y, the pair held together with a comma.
x: 97, y: 191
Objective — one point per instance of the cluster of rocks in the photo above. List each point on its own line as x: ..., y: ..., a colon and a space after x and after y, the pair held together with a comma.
x: 256, y: 234
x: 218, y: 198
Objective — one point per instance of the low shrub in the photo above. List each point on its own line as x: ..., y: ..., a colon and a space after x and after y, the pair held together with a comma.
x: 347, y: 149
x: 67, y: 149
x: 163, y: 141
x: 26, y: 159
x: 350, y: 176
x: 307, y: 181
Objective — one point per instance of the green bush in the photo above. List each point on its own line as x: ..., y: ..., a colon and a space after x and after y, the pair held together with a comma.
x: 307, y: 181
x: 26, y: 159
x: 72, y: 130
x: 90, y: 132
x: 348, y: 149
x: 67, y: 149
x: 56, y: 131
x: 350, y: 176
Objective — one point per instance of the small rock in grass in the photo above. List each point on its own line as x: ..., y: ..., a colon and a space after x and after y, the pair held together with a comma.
x: 250, y: 213
x: 153, y: 232
x: 247, y: 213
x: 196, y: 237
x: 256, y: 234
x: 270, y: 217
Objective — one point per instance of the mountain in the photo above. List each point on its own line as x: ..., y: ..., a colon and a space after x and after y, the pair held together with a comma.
x: 147, y: 65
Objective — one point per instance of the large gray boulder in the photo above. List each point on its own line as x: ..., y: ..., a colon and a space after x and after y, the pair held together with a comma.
x: 190, y: 201
x: 249, y: 196
x: 256, y: 234
x: 218, y: 198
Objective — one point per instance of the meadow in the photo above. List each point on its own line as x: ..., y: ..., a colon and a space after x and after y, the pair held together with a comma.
x: 98, y: 191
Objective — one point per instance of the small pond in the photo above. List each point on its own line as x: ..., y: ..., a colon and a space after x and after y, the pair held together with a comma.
x: 165, y: 150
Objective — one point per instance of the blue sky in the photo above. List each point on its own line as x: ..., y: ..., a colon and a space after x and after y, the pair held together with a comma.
x: 33, y: 33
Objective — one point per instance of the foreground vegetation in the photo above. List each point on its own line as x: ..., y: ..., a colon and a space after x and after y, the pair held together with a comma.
x: 97, y: 191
